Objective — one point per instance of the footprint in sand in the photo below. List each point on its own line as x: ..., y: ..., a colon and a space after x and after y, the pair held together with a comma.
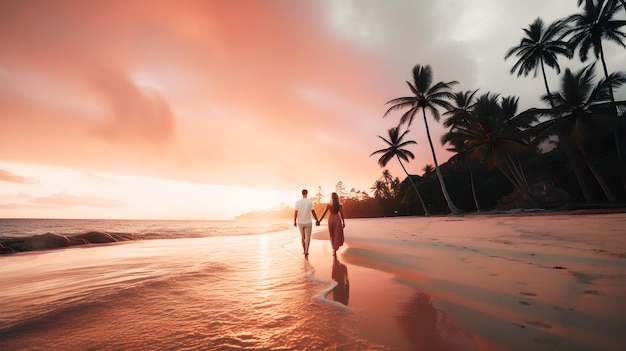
x: 528, y: 294
x: 540, y: 324
x: 525, y: 303
x: 591, y: 292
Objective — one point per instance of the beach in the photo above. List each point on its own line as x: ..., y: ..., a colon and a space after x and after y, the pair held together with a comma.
x: 474, y: 282
x: 525, y: 282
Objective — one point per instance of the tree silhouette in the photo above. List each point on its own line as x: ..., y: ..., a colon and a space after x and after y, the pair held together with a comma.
x: 426, y: 97
x: 573, y: 117
x: 396, y: 149
x: 540, y: 47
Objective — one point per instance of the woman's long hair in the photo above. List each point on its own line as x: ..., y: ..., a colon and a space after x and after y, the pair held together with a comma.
x: 335, y: 202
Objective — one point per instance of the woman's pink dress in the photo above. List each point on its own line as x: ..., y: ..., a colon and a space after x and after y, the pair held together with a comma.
x: 335, y: 228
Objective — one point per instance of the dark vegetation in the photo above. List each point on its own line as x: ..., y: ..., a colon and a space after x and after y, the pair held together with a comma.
x: 567, y: 154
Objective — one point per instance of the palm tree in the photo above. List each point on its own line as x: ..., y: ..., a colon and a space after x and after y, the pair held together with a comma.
x: 429, y: 171
x: 388, y: 178
x: 461, y: 114
x: 393, y: 184
x: 426, y: 97
x: 495, y: 134
x: 593, y: 25
x: 588, y: 30
x: 380, y: 189
x: 573, y: 117
x: 461, y: 159
x: 540, y: 47
x: 396, y: 149
x: 621, y: 3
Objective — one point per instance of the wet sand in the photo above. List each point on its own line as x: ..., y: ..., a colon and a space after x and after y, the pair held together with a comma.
x: 490, y: 282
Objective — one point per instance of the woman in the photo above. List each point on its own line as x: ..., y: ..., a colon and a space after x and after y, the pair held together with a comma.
x: 336, y: 222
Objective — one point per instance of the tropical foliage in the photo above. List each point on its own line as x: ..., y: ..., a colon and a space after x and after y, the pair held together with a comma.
x: 396, y: 149
x: 567, y: 153
x: 563, y: 149
x: 540, y: 48
x: 426, y: 97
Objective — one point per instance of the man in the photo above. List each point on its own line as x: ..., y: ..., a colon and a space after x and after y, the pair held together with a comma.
x: 302, y: 220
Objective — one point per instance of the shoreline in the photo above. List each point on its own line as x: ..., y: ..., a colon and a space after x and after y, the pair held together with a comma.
x: 377, y: 298
x: 390, y: 312
x: 540, y: 286
x: 489, y: 283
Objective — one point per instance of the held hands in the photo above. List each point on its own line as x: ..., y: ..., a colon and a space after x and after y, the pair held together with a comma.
x: 317, y: 223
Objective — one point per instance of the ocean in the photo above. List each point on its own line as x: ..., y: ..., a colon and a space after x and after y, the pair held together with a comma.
x: 141, y: 229
x: 490, y: 282
x: 180, y: 285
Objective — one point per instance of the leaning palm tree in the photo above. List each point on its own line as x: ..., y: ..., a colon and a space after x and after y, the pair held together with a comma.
x: 461, y: 159
x: 539, y: 48
x: 426, y: 97
x: 588, y: 29
x: 396, y: 149
x: 460, y: 115
x: 496, y: 135
x: 573, y: 119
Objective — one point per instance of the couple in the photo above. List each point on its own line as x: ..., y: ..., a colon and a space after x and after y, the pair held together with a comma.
x: 336, y: 221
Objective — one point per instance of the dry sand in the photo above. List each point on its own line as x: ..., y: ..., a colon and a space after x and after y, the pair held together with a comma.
x: 487, y: 282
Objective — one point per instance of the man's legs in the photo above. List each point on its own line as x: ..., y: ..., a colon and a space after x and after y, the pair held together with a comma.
x: 305, y: 233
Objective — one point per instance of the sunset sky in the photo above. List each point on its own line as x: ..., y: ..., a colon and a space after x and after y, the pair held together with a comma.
x: 208, y: 109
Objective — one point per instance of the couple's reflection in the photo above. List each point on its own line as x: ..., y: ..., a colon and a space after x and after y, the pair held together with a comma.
x: 340, y: 274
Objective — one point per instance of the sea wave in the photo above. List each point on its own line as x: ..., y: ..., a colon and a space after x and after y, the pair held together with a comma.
x: 19, y: 235
x: 53, y: 241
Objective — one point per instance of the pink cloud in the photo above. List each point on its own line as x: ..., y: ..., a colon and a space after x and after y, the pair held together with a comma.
x: 7, y: 176
x: 135, y: 116
x: 248, y: 93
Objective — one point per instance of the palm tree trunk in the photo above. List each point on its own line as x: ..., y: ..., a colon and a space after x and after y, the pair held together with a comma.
x: 509, y: 177
x: 618, y: 147
x: 473, y: 187
x: 606, y: 75
x: 517, y: 181
x: 615, y: 131
x: 600, y: 180
x: 453, y: 209
x: 520, y: 177
x: 572, y: 163
x: 426, y: 212
x: 517, y: 174
x: 545, y: 82
x: 521, y: 169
